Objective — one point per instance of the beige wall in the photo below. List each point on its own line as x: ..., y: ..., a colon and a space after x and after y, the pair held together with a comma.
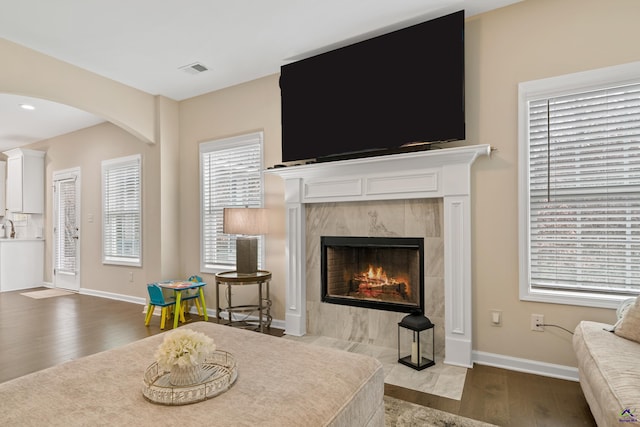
x: 30, y: 73
x: 250, y: 107
x: 86, y: 149
x: 146, y: 124
x: 529, y: 40
x: 168, y: 134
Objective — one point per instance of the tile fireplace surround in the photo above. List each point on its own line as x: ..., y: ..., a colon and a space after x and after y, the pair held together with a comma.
x: 440, y: 174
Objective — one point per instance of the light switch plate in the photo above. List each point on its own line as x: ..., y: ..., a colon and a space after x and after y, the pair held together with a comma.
x: 496, y: 317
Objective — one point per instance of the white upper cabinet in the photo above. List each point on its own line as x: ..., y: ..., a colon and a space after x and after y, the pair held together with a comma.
x: 3, y: 180
x: 25, y: 181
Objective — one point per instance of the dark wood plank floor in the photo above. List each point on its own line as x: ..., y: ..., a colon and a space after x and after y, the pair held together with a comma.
x: 38, y: 333
x: 509, y: 398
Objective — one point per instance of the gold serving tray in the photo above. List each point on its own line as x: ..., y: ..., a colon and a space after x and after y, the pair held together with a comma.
x: 219, y: 372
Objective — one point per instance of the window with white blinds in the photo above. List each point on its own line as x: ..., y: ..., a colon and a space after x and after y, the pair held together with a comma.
x: 583, y: 194
x: 230, y: 177
x: 122, y: 211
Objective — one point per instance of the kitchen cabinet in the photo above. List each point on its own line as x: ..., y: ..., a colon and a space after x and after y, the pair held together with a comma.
x: 21, y: 264
x: 3, y: 180
x: 25, y: 181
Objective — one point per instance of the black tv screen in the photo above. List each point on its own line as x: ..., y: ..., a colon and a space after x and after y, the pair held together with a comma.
x: 380, y: 94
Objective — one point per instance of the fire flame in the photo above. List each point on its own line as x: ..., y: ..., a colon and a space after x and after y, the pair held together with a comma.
x: 375, y: 278
x: 377, y: 273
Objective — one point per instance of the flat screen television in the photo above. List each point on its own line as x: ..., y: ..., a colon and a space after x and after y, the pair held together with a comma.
x: 378, y: 95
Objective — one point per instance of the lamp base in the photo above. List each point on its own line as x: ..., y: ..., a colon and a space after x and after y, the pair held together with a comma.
x: 246, y: 255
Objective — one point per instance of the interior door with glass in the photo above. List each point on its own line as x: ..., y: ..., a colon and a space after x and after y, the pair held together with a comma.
x: 66, y: 229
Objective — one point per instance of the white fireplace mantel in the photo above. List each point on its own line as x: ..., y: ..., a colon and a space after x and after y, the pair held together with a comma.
x: 441, y: 173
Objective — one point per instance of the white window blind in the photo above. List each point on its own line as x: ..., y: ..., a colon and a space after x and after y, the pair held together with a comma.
x: 584, y: 191
x: 122, y: 210
x: 65, y: 228
x: 231, y: 176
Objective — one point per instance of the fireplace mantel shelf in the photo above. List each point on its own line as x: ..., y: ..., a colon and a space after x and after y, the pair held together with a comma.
x: 416, y: 159
x: 441, y: 173
x: 422, y: 174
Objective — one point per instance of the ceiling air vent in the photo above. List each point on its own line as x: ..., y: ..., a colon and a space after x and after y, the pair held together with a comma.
x: 195, y: 68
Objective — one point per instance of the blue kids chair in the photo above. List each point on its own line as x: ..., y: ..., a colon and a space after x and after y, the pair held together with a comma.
x: 193, y: 294
x: 156, y: 298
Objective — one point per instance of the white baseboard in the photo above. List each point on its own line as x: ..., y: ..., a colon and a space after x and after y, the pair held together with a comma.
x: 525, y: 365
x: 103, y: 294
x: 110, y: 295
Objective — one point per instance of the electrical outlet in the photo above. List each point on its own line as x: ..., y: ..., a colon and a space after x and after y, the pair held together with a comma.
x: 131, y: 276
x: 537, y: 319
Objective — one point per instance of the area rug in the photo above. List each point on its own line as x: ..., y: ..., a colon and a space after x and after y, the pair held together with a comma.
x: 47, y: 293
x: 399, y: 413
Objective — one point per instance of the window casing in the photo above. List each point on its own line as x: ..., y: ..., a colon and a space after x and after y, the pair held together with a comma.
x: 579, y: 141
x: 230, y: 177
x: 122, y: 211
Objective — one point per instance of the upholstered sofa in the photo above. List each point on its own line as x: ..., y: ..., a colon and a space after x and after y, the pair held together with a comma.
x: 609, y: 368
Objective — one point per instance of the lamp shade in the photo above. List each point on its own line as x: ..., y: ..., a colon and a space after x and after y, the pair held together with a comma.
x: 249, y: 221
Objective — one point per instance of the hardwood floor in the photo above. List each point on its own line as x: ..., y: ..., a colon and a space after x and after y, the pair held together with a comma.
x: 509, y: 398
x: 38, y: 333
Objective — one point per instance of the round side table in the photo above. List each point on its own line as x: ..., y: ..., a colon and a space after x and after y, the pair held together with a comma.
x: 233, y: 278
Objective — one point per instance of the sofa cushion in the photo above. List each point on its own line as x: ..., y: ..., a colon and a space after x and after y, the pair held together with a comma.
x: 629, y: 325
x: 609, y: 372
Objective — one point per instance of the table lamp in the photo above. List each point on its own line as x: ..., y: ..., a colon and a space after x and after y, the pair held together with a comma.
x: 247, y: 223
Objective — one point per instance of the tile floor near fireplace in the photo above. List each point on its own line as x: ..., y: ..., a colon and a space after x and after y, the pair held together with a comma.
x: 441, y: 380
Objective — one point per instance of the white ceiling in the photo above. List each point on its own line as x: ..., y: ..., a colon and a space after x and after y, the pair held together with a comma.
x: 143, y: 43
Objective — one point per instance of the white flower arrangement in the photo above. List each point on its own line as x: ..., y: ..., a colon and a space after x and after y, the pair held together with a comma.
x: 184, y: 348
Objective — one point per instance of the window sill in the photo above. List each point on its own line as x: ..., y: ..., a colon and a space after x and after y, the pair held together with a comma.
x: 214, y: 269
x: 583, y: 299
x: 115, y: 261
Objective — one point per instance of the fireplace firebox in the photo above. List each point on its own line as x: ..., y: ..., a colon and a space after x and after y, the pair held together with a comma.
x: 384, y: 273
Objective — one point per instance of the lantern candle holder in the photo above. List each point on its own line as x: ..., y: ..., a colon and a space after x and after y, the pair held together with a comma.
x: 414, y: 342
